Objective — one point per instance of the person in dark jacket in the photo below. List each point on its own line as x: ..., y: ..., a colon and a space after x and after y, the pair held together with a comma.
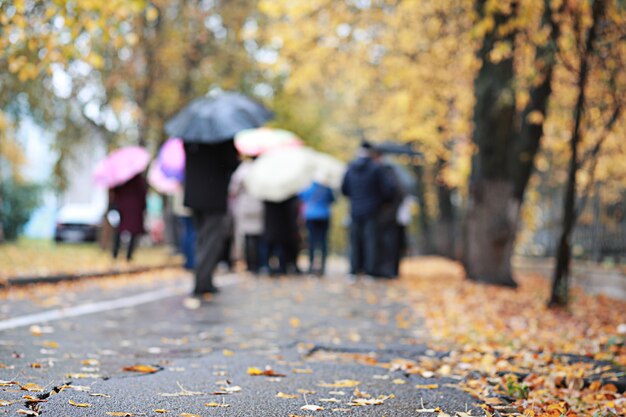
x: 207, y: 173
x: 129, y: 199
x: 388, y: 229
x: 367, y: 187
x: 281, y: 234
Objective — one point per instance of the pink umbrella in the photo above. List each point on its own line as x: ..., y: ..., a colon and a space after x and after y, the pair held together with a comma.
x: 160, y: 182
x: 172, y: 158
x: 254, y: 142
x: 120, y: 166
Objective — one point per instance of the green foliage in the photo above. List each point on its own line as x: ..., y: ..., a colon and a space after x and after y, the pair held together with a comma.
x: 516, y: 389
x: 17, y: 202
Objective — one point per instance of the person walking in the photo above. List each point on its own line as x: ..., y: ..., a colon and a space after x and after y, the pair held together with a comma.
x: 367, y: 187
x: 389, y: 249
x: 208, y: 170
x: 317, y: 200
x: 281, y: 233
x: 248, y: 215
x: 129, y: 199
x: 187, y: 235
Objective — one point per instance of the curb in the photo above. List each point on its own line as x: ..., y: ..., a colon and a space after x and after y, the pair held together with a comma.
x: 54, y: 279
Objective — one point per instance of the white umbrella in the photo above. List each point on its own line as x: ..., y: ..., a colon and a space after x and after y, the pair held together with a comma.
x: 254, y: 142
x: 329, y: 171
x: 277, y: 175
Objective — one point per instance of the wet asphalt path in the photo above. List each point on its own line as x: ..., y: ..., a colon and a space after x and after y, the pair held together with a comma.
x: 339, y: 346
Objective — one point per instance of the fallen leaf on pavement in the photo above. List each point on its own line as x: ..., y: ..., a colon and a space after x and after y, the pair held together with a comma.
x: 27, y: 412
x: 75, y: 404
x: 283, y: 395
x: 267, y: 372
x: 32, y: 399
x: 357, y: 402
x: 83, y: 376
x: 119, y: 414
x: 161, y: 411
x: 214, y: 404
x: 189, y: 415
x: 144, y: 369
x: 7, y: 383
x: 343, y: 383
x: 227, y: 390
x: 95, y: 394
x: 427, y: 386
x: 311, y: 407
x: 31, y: 387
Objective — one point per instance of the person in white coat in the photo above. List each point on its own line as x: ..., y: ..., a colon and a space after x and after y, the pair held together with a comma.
x: 248, y: 215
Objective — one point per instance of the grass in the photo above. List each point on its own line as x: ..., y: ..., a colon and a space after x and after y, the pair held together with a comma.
x: 27, y: 258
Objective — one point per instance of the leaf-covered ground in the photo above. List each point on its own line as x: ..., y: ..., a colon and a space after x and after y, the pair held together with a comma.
x: 319, y: 338
x: 514, y: 353
x: 29, y: 258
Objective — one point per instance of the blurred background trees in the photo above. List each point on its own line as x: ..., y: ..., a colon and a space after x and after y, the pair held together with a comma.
x: 487, y: 91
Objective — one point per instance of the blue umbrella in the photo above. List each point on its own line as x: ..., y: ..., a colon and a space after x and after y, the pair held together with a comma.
x: 217, y: 118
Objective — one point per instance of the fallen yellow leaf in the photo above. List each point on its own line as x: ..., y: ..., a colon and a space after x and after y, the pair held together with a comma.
x: 427, y: 386
x: 75, y: 404
x: 267, y: 372
x: 144, y: 369
x: 283, y: 395
x: 214, y: 404
x: 342, y: 383
x: 31, y: 387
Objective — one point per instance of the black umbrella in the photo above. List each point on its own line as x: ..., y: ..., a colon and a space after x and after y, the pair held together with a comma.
x: 396, y: 148
x: 216, y: 118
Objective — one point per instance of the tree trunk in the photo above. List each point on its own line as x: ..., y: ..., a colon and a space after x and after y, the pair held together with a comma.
x: 560, y: 284
x: 446, y: 222
x: 426, y: 245
x: 491, y: 226
x: 507, y: 144
x: 492, y: 211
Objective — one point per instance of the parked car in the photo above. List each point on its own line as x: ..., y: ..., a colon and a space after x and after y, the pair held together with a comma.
x: 78, y: 223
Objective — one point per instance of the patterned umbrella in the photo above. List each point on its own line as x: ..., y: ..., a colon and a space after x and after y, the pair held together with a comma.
x: 160, y: 182
x: 172, y: 159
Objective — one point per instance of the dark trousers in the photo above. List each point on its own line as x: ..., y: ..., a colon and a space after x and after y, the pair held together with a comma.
x: 318, y: 239
x: 211, y: 231
x: 253, y: 251
x: 363, y: 245
x: 188, y: 240
x: 286, y: 256
x: 117, y: 242
x: 388, y: 250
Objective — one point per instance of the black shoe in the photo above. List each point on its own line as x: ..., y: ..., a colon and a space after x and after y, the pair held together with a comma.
x: 209, y: 290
